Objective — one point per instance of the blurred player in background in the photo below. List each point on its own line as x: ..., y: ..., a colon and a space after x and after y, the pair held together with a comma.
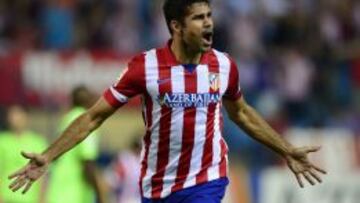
x: 74, y: 177
x: 125, y: 172
x: 183, y: 86
x: 18, y: 137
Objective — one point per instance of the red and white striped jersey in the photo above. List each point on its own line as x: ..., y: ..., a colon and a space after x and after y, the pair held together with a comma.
x: 183, y: 144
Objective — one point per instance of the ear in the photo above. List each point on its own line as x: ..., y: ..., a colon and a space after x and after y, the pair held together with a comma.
x: 175, y: 26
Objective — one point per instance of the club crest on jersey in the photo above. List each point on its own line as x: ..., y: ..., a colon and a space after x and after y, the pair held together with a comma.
x: 214, y: 81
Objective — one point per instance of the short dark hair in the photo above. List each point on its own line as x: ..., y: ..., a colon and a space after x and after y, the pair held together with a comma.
x: 177, y: 10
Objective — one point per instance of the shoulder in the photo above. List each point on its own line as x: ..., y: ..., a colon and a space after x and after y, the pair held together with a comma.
x: 223, y: 55
x: 136, y: 60
x: 147, y: 58
x: 220, y: 58
x: 139, y: 59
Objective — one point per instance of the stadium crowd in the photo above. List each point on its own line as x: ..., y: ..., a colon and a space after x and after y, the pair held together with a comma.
x: 299, y: 61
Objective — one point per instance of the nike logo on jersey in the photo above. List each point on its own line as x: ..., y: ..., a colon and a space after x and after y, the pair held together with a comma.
x: 163, y: 81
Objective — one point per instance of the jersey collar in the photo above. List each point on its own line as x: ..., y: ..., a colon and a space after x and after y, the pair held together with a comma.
x: 171, y: 59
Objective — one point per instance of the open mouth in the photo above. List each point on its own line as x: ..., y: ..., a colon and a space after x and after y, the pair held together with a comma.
x: 207, y: 37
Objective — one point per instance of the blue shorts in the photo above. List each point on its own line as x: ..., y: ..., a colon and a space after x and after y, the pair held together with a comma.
x: 210, y: 192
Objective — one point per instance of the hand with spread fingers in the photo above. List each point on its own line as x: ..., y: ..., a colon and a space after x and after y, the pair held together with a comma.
x: 300, y: 165
x: 31, y: 172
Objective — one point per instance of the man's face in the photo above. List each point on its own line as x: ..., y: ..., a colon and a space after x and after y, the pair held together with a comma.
x: 197, y: 28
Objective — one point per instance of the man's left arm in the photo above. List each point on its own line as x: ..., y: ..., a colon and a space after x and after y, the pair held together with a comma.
x: 255, y: 126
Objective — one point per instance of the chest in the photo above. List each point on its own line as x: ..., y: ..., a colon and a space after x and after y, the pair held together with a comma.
x: 178, y: 86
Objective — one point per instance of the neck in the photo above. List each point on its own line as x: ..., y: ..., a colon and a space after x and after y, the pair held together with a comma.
x: 183, y: 53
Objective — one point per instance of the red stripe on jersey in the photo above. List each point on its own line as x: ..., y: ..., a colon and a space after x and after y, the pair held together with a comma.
x: 224, y: 149
x: 208, y: 147
x: 223, y: 164
x: 221, y: 121
x: 148, y: 111
x: 164, y: 131
x: 233, y: 91
x: 188, y: 133
x: 146, y: 140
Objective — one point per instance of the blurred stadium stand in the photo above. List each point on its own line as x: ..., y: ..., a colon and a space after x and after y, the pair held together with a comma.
x: 299, y: 67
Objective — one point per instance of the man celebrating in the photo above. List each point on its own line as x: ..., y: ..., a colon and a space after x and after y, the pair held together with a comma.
x: 183, y: 87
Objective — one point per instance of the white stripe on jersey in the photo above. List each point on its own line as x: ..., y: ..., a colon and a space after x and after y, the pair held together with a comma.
x: 200, y: 127
x: 120, y: 97
x: 152, y: 75
x: 224, y: 67
x: 176, y: 131
x: 224, y: 70
x: 214, y: 170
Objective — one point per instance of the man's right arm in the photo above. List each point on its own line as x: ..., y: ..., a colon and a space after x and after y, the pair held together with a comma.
x: 73, y: 135
x: 131, y: 83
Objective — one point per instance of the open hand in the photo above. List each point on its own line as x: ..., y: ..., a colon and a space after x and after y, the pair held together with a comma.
x: 300, y: 165
x: 28, y: 174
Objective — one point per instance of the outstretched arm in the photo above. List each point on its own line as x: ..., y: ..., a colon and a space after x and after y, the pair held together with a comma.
x: 73, y: 135
x: 254, y: 125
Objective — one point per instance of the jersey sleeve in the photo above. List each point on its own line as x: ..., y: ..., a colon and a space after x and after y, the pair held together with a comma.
x: 130, y: 83
x: 233, y: 91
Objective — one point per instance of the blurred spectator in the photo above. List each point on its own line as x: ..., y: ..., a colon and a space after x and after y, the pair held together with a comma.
x: 124, y: 176
x: 245, y: 37
x: 330, y: 29
x: 356, y: 16
x: 2, y: 119
x: 275, y: 8
x: 58, y: 24
x: 75, y: 174
x: 19, y: 28
x: 296, y: 83
x: 16, y: 138
x: 124, y: 27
